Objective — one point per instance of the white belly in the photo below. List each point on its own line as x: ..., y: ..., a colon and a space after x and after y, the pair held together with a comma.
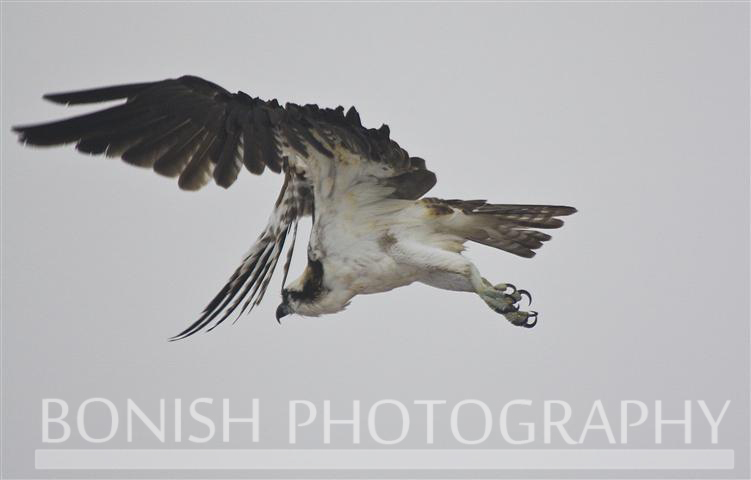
x: 367, y: 272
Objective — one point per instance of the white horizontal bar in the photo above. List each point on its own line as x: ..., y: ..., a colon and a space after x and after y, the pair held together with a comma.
x: 385, y: 459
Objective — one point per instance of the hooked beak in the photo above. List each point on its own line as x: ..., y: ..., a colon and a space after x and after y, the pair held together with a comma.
x: 282, y: 311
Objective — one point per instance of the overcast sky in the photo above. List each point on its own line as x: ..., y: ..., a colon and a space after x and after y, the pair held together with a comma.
x: 635, y: 114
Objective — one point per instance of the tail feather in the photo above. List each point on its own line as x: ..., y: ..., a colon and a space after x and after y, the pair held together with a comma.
x: 517, y: 241
x: 506, y: 227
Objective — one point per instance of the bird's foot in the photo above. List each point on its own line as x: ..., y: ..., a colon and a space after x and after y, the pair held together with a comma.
x: 504, y: 298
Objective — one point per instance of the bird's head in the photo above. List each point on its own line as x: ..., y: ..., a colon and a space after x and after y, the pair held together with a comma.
x: 303, y: 295
x: 292, y: 302
x: 309, y: 296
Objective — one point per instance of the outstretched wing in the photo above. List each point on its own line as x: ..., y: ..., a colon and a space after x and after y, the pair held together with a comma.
x: 186, y: 127
x: 248, y: 283
x: 195, y: 130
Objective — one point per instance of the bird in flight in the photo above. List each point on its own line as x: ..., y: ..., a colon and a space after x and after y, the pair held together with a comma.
x: 372, y: 228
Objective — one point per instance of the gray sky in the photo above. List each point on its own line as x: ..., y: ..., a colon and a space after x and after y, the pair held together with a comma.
x: 635, y: 114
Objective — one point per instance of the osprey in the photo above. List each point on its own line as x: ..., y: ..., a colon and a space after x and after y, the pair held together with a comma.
x: 372, y: 229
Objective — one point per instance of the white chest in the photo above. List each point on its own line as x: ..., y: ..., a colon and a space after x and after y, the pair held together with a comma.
x: 369, y: 270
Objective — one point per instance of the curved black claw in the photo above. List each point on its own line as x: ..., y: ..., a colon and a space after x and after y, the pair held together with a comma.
x: 512, y: 287
x: 508, y: 308
x: 529, y: 295
x: 533, y: 317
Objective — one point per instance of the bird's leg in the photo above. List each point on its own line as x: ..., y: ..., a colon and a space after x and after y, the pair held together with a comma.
x: 504, y: 298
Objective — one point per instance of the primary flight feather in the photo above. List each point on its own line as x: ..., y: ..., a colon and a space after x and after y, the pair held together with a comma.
x: 372, y: 231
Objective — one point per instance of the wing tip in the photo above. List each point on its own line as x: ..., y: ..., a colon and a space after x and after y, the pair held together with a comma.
x: 24, y: 135
x: 568, y: 210
x: 188, y: 332
x: 59, y: 98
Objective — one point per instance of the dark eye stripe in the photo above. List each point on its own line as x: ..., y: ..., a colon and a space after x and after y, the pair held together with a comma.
x: 313, y: 286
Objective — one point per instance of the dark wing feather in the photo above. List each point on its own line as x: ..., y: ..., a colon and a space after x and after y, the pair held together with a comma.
x: 97, y: 95
x: 180, y: 127
x: 195, y: 130
x: 251, y: 278
x: 229, y: 162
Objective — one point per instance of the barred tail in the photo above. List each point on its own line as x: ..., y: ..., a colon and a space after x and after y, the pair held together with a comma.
x: 506, y: 227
